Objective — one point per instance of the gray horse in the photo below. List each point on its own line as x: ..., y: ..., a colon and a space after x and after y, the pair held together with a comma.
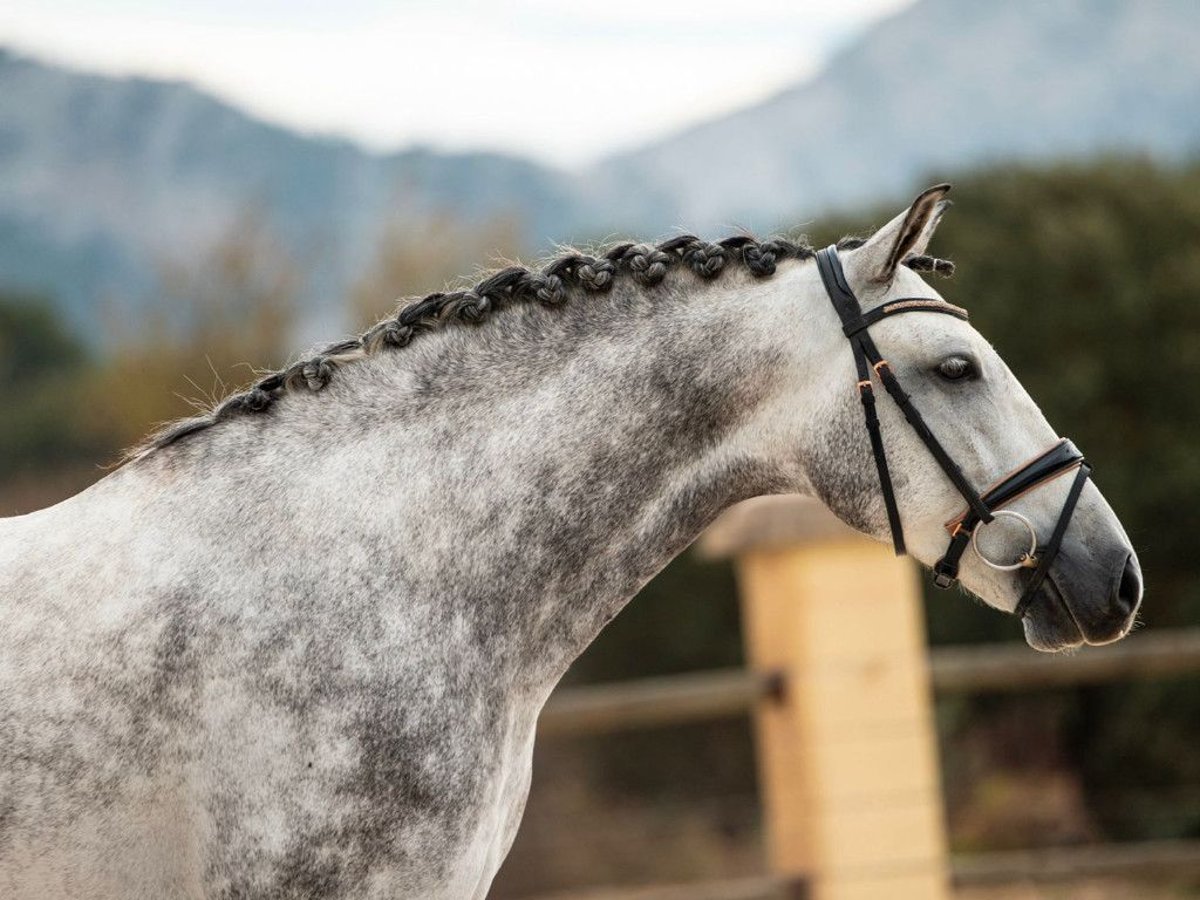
x: 297, y: 647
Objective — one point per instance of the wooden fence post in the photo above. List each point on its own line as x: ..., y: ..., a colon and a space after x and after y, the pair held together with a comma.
x: 847, y: 753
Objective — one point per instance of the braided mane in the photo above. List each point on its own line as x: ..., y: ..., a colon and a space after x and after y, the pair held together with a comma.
x: 648, y: 265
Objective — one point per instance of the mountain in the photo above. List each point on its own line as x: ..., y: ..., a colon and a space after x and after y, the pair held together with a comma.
x: 103, y: 179
x: 941, y: 86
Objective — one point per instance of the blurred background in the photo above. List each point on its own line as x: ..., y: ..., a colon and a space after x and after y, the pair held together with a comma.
x: 185, y: 192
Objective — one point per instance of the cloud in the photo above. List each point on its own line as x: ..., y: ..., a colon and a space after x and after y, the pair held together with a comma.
x: 547, y: 79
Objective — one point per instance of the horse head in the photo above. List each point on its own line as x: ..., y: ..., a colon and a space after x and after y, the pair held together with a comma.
x: 957, y: 464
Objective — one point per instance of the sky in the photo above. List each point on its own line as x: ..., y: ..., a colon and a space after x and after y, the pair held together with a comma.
x: 563, y: 82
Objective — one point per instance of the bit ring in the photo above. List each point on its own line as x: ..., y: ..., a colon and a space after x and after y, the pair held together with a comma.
x: 1028, y: 559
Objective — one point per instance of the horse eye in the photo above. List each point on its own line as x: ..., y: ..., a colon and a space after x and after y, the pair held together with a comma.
x: 956, y: 368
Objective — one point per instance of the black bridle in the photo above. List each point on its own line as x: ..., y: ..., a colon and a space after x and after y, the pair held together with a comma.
x: 982, y: 508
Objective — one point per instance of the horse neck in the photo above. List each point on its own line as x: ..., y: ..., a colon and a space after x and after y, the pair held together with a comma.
x: 518, y: 482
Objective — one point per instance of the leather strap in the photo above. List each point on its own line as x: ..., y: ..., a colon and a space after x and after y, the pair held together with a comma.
x: 849, y: 311
x: 1047, y: 554
x: 912, y: 304
x: 1059, y: 458
x: 867, y: 358
x: 867, y: 392
x: 945, y: 570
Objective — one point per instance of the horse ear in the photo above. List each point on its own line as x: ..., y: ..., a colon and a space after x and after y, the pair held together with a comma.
x: 906, y: 235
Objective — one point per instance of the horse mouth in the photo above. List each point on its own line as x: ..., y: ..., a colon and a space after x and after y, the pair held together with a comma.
x: 1049, y: 624
x: 1052, y: 625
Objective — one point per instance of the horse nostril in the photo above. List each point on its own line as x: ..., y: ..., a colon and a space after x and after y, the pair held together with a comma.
x: 1129, y: 591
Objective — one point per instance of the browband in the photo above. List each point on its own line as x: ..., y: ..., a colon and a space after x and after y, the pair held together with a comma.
x: 1057, y: 460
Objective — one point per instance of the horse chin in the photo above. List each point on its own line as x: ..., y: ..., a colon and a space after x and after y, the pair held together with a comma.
x: 1049, y: 625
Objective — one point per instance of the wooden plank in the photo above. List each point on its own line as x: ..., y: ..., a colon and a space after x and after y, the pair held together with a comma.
x: 887, y: 834
x: 725, y: 693
x: 1151, y: 859
x: 758, y: 887
x: 773, y: 522
x: 841, y: 620
x: 1160, y: 654
x: 775, y: 639
x: 880, y: 694
x: 927, y: 880
x: 901, y: 763
x: 655, y: 701
x: 848, y: 615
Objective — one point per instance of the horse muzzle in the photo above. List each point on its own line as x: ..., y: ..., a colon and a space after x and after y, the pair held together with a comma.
x: 1072, y: 607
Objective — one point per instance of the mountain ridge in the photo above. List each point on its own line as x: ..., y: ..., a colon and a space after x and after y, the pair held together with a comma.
x: 1029, y: 81
x: 102, y: 178
x: 132, y: 172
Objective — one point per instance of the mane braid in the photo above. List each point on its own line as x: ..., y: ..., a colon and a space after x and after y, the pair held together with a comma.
x: 648, y: 265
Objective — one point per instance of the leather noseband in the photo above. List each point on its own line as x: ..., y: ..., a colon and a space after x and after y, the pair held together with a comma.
x: 982, y: 508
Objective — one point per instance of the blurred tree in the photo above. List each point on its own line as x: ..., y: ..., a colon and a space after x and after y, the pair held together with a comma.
x: 39, y: 364
x: 223, y: 314
x: 65, y: 411
x: 34, y: 343
x: 418, y: 259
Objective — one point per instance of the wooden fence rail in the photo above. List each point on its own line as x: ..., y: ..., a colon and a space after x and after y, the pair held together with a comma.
x: 1159, y: 654
x: 648, y: 702
x: 1150, y: 859
x: 1147, y: 859
x: 987, y: 668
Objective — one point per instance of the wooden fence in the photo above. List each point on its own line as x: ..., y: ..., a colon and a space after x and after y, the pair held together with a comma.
x: 840, y: 686
x: 727, y: 693
x: 1151, y: 859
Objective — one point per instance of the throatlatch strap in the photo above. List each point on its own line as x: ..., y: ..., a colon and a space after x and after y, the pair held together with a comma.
x: 1046, y: 555
x: 850, y: 312
x: 867, y: 392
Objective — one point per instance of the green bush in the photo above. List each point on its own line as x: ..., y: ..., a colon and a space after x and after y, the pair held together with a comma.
x: 40, y: 366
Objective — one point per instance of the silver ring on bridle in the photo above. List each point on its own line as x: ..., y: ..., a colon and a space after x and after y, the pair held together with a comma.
x: 1026, y: 560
